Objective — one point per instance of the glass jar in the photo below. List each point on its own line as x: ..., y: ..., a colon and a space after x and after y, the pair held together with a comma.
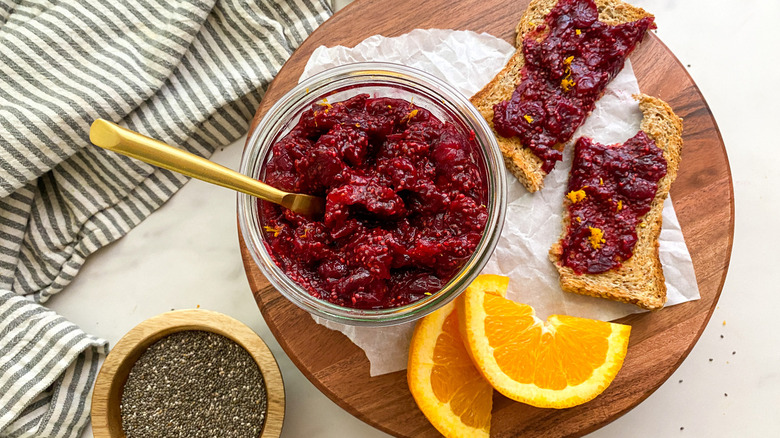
x: 378, y: 80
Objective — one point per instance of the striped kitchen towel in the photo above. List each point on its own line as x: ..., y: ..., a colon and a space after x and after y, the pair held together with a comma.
x: 188, y: 72
x: 48, y: 368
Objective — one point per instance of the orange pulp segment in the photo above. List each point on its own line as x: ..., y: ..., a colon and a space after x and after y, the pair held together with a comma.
x: 564, y: 362
x: 444, y: 382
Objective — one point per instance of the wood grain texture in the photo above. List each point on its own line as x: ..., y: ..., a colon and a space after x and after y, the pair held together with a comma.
x: 106, y: 396
x: 703, y: 198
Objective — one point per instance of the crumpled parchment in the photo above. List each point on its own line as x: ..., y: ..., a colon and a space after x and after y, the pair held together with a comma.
x: 468, y: 61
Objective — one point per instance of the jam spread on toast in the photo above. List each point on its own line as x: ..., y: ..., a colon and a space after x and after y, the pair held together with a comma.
x: 610, y: 188
x: 405, y: 202
x: 569, y: 60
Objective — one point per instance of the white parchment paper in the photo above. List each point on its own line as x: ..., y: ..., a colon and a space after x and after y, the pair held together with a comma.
x: 468, y: 61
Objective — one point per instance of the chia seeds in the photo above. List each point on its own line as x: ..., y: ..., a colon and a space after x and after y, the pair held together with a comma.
x: 194, y: 384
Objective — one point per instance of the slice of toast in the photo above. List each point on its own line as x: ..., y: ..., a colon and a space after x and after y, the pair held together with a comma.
x: 640, y: 279
x: 526, y: 166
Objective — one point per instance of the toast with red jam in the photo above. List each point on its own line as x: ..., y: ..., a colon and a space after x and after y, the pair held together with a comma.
x: 567, y: 52
x: 612, y: 211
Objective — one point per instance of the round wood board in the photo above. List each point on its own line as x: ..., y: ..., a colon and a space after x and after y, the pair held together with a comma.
x: 703, y: 199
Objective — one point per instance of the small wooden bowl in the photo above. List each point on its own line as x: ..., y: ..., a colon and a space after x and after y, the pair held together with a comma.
x: 106, y: 418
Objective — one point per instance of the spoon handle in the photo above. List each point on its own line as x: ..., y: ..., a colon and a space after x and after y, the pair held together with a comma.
x: 115, y: 138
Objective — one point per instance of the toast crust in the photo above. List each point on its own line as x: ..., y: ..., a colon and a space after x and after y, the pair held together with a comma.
x: 523, y: 164
x: 640, y: 279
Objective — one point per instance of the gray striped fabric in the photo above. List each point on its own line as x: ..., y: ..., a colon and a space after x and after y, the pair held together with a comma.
x: 190, y: 73
x: 48, y: 367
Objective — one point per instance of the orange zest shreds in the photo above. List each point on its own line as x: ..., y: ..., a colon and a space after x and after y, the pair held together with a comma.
x: 578, y: 31
x: 596, y: 237
x: 271, y: 229
x: 601, y: 181
x: 409, y: 116
x: 528, y: 118
x: 620, y: 205
x: 576, y: 196
x: 579, y: 219
x: 567, y: 83
x: 325, y: 103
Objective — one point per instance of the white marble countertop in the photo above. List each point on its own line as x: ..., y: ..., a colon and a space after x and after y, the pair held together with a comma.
x: 186, y: 254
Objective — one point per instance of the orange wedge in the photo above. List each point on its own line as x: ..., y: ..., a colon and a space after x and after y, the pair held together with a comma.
x: 444, y: 382
x: 560, y: 363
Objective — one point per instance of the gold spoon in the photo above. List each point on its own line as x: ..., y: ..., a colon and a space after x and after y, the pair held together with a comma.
x: 115, y: 138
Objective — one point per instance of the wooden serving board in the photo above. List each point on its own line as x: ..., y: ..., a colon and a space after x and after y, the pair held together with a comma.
x: 703, y: 198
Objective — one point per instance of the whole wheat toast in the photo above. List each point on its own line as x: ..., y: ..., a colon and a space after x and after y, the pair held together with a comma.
x: 523, y: 164
x: 640, y: 279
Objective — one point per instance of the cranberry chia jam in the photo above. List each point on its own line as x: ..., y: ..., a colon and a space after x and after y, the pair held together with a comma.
x: 611, y: 188
x: 405, y: 202
x: 569, y: 61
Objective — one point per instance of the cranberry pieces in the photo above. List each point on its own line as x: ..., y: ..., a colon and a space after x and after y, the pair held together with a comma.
x: 619, y: 184
x: 569, y: 60
x: 405, y: 202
